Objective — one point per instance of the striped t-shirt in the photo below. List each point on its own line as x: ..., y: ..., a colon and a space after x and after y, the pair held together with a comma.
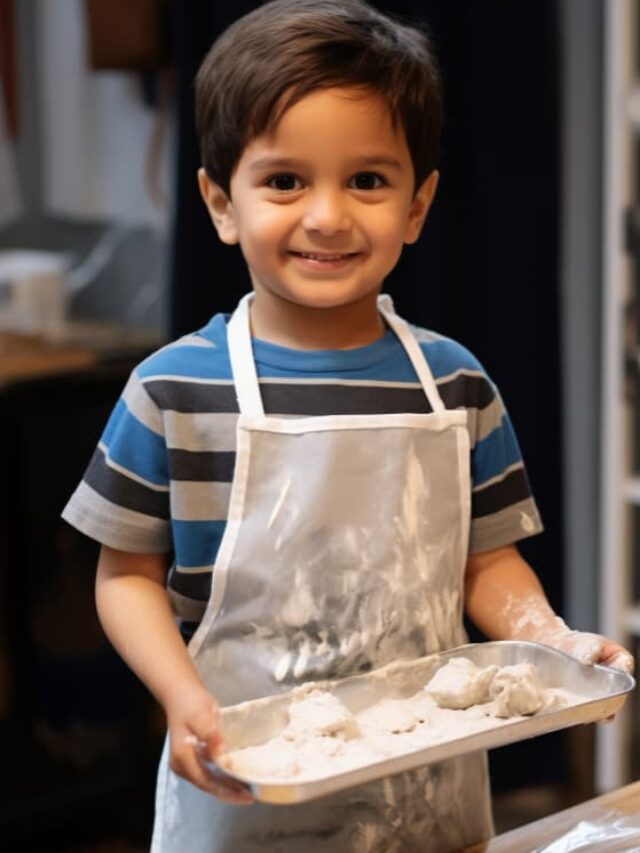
x: 160, y: 478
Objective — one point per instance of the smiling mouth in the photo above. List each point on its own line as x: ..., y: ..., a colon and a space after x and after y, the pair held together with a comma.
x: 325, y: 257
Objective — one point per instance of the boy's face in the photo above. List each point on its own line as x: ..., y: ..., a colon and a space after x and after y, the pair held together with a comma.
x: 322, y: 205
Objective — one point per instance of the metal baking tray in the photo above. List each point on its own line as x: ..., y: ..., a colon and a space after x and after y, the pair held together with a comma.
x: 254, y: 722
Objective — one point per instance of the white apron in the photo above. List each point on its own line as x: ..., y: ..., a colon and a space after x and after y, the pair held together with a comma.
x: 344, y: 550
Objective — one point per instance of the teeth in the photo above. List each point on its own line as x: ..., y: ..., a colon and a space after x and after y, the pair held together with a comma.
x: 314, y: 257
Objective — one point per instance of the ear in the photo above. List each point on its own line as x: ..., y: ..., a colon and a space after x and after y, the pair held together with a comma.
x: 420, y: 207
x: 220, y: 208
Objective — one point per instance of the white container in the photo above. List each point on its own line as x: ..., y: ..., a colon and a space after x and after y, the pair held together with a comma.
x: 33, y: 292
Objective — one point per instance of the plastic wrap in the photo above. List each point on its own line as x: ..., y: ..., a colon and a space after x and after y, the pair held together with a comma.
x: 610, y: 832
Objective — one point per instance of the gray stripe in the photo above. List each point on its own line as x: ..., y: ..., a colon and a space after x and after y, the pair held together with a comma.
x: 141, y: 405
x: 115, y: 526
x: 506, y: 527
x: 200, y: 501
x: 347, y: 383
x: 195, y: 340
x: 208, y: 432
x: 427, y: 336
x: 482, y: 422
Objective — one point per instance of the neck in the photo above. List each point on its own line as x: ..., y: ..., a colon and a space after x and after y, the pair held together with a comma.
x: 289, y: 324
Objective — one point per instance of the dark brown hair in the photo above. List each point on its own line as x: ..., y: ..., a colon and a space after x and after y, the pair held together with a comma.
x: 271, y: 58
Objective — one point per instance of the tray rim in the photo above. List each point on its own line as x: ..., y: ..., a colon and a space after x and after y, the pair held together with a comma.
x: 278, y: 792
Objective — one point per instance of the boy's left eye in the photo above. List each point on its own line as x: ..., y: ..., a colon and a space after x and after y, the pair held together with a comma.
x: 367, y: 181
x: 284, y: 182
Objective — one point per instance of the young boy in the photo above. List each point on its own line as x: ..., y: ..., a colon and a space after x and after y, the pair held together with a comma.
x: 334, y: 485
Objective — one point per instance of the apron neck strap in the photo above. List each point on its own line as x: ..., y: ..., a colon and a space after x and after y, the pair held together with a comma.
x: 414, y: 353
x: 243, y: 366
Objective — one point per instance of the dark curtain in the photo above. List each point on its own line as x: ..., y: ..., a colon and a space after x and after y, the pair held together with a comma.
x: 486, y: 268
x: 206, y: 275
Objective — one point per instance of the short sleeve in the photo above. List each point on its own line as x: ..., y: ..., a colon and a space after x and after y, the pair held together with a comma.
x: 123, y: 498
x: 503, y: 507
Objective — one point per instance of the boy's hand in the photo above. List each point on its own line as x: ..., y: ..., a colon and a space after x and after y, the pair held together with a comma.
x: 592, y: 648
x: 194, y: 739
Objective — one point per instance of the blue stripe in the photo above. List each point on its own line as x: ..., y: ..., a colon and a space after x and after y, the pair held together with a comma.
x: 445, y: 356
x: 384, y: 361
x: 188, y: 361
x: 495, y: 452
x: 135, y: 447
x: 196, y: 543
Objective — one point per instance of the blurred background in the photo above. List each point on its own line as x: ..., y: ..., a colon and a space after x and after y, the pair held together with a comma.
x: 528, y: 258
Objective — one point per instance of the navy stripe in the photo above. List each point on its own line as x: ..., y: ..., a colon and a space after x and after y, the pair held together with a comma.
x: 512, y: 489
x: 192, y: 397
x: 465, y: 391
x: 201, y: 466
x: 116, y: 488
x: 195, y: 585
x: 187, y: 630
x: 321, y: 399
x: 291, y: 399
x: 341, y: 399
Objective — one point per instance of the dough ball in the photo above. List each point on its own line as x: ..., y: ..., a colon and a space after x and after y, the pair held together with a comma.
x: 317, y: 756
x: 320, y: 714
x: 422, y: 705
x: 274, y: 759
x: 517, y: 690
x: 390, y: 715
x: 554, y: 699
x: 460, y: 684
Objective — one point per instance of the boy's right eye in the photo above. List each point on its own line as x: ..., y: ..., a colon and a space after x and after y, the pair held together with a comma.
x: 284, y: 183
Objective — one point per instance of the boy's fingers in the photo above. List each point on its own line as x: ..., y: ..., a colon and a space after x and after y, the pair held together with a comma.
x: 621, y: 660
x: 214, y: 744
x: 240, y: 792
x: 208, y: 746
x: 224, y: 789
x: 207, y: 730
x: 190, y: 767
x: 583, y: 646
x: 591, y: 648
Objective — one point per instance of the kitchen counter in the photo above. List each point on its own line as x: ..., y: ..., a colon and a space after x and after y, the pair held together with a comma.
x: 80, y: 346
x: 602, y: 812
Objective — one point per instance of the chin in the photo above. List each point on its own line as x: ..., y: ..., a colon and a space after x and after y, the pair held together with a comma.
x: 330, y: 299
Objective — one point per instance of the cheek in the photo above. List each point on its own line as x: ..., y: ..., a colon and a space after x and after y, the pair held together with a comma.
x: 268, y: 228
x: 388, y: 228
x: 271, y: 220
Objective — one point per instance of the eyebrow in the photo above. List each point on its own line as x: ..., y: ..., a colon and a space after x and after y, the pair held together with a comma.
x: 291, y: 163
x: 381, y: 160
x: 275, y: 163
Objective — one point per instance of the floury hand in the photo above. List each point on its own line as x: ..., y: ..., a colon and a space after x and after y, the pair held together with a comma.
x: 533, y: 619
x: 195, y: 739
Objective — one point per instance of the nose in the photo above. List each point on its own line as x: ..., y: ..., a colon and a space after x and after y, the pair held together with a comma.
x: 326, y: 212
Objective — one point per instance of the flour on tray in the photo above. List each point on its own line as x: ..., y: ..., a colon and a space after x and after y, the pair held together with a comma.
x: 323, y: 737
